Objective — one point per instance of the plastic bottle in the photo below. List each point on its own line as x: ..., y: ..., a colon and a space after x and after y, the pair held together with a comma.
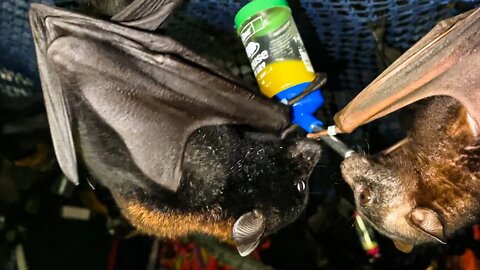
x: 278, y: 57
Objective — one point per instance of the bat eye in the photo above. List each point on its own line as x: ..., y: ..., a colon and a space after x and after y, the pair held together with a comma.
x: 301, y: 186
x: 365, y: 196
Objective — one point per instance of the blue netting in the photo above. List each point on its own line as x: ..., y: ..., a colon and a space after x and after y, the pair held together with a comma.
x: 16, y: 48
x: 218, y: 13
x: 15, y: 37
x: 18, y: 68
x: 342, y: 28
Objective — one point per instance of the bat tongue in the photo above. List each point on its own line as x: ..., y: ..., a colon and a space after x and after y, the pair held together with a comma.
x: 403, y: 246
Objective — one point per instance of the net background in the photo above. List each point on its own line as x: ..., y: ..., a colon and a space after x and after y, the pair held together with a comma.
x: 336, y: 33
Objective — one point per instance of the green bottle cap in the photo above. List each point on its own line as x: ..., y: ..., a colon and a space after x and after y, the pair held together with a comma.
x: 256, y: 6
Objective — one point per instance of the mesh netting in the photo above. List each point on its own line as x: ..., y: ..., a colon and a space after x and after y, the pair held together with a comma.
x: 211, y: 37
x: 343, y: 29
x: 16, y: 48
x: 337, y: 33
x: 18, y: 70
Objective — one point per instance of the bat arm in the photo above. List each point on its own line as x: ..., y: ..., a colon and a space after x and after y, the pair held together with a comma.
x: 471, y: 102
x: 445, y: 62
x: 372, y: 103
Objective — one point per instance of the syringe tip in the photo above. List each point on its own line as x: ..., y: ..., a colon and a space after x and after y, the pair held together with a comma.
x: 330, y: 131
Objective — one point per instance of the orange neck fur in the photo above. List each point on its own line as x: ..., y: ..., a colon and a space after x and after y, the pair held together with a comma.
x: 173, y: 225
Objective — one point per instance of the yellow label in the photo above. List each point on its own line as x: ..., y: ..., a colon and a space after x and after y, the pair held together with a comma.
x: 278, y: 76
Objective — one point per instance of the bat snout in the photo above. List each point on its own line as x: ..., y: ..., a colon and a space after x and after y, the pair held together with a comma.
x: 353, y: 167
x: 308, y: 150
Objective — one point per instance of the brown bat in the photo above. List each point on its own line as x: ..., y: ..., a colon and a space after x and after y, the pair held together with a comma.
x: 427, y: 186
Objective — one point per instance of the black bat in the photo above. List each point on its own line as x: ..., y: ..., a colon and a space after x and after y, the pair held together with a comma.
x: 426, y: 187
x: 181, y: 145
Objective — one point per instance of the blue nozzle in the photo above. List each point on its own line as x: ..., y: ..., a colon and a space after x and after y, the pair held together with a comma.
x: 303, y: 110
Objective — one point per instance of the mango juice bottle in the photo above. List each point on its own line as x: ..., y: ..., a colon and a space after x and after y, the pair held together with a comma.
x: 278, y: 57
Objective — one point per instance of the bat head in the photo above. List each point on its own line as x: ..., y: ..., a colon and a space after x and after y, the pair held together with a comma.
x: 277, y: 197
x: 386, y: 200
x: 236, y: 185
x: 256, y: 179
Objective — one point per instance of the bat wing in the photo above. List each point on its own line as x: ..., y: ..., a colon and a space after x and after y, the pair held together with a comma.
x: 146, y: 14
x: 149, y: 89
x: 444, y: 62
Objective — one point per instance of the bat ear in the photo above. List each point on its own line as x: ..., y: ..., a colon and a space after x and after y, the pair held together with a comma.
x: 428, y: 222
x: 247, y: 231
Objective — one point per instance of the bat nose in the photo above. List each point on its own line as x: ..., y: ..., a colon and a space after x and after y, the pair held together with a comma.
x: 352, y: 166
x: 310, y: 150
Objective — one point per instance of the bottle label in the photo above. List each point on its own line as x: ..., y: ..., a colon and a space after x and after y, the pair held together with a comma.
x: 282, y: 44
x: 251, y: 28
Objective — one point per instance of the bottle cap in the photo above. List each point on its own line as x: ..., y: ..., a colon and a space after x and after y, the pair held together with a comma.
x: 302, y: 111
x: 256, y: 6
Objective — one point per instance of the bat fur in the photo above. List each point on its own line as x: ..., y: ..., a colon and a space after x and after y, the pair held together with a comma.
x: 427, y: 187
x: 181, y: 146
x: 424, y: 188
